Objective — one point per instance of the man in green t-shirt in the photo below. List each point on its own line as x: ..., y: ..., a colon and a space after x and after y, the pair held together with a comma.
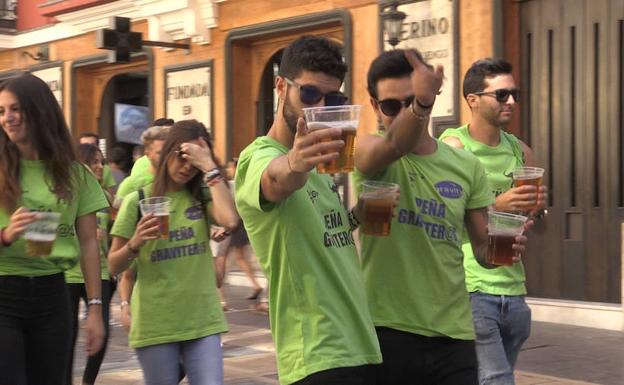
x: 502, y: 319
x: 414, y: 277
x: 142, y: 164
x: 301, y: 232
x: 153, y: 139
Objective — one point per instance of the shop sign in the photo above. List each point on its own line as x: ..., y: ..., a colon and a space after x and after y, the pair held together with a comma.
x: 189, y: 93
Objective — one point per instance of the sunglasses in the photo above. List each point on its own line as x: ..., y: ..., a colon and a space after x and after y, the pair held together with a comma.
x: 502, y: 94
x: 392, y: 107
x: 311, y: 95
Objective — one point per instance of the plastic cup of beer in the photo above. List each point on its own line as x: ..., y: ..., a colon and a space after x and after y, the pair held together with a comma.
x: 503, y: 228
x: 378, y: 206
x: 41, y: 234
x: 523, y: 176
x: 344, y: 117
x: 159, y: 206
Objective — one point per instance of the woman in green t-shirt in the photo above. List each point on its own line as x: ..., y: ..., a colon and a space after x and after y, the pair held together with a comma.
x: 91, y: 156
x: 176, y: 314
x: 39, y: 171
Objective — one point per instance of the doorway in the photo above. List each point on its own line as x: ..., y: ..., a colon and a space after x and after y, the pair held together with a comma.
x: 573, y: 118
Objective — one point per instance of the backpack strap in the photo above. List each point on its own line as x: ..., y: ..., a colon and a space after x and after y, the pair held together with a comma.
x: 141, y: 197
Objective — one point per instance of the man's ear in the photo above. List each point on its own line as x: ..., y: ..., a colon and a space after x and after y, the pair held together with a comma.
x: 473, y: 101
x: 374, y: 104
x: 281, y: 86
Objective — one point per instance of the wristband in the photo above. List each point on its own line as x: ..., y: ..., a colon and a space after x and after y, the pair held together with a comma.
x: 422, y: 106
x: 4, y: 243
x: 422, y: 112
x: 210, y: 175
x: 123, y: 304
x: 215, y: 181
x: 94, y: 301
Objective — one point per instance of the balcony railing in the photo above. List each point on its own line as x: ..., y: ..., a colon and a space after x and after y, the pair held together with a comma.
x: 8, y: 14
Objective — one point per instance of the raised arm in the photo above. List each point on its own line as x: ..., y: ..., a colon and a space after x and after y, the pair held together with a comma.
x: 374, y: 153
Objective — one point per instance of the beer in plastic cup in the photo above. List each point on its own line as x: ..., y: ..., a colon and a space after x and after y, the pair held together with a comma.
x: 528, y: 176
x: 503, y: 228
x: 41, y: 234
x: 343, y: 117
x: 159, y: 206
x: 378, y: 205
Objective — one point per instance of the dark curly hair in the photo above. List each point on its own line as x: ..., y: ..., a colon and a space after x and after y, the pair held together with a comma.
x: 314, y: 54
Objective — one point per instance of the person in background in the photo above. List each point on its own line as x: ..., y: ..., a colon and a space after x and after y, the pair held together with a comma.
x: 137, y: 152
x: 92, y: 157
x: 142, y: 163
x: 119, y: 162
x: 319, y: 316
x: 502, y: 319
x: 109, y: 182
x: 237, y: 244
x: 175, y: 307
x: 153, y: 139
x: 39, y: 171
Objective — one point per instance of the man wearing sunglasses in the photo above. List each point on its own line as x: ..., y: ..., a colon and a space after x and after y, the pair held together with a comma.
x: 414, y: 277
x: 502, y: 319
x: 301, y: 232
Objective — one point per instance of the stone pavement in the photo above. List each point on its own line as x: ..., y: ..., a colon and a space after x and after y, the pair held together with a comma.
x: 554, y: 355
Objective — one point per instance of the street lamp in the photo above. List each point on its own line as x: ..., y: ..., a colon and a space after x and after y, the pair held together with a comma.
x: 392, y: 21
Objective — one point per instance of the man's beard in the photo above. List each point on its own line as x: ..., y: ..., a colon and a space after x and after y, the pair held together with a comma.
x: 290, y: 116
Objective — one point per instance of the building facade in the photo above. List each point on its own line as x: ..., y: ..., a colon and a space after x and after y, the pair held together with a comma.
x: 568, y: 58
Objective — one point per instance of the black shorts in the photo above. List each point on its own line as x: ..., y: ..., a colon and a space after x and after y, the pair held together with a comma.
x: 412, y: 359
x: 239, y: 238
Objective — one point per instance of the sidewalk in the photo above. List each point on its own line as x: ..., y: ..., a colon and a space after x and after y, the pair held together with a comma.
x: 554, y: 355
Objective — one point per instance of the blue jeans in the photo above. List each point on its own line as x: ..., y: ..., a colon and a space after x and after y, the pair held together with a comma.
x: 502, y: 324
x: 202, y: 359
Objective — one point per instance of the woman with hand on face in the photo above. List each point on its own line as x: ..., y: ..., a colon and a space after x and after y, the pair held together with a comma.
x: 39, y: 172
x: 92, y: 157
x: 175, y: 307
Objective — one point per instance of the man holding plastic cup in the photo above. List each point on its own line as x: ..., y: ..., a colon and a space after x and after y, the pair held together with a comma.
x: 502, y: 318
x: 414, y: 276
x: 301, y: 231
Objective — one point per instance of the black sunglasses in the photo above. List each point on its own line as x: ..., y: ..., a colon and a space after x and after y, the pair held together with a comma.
x: 392, y: 107
x: 311, y: 95
x: 502, y: 94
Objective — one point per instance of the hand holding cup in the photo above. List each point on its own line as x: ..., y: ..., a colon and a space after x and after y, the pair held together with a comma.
x: 311, y: 148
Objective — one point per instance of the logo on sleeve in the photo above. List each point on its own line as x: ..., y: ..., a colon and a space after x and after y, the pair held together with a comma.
x: 449, y: 189
x: 194, y: 213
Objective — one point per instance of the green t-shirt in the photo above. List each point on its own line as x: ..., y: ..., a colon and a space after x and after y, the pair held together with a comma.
x: 36, y: 195
x: 107, y: 177
x: 74, y: 275
x: 415, y: 276
x: 133, y: 183
x: 175, y: 295
x: 318, y: 309
x: 499, y: 162
x: 141, y: 166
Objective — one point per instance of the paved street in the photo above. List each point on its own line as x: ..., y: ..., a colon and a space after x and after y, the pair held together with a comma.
x: 554, y: 355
